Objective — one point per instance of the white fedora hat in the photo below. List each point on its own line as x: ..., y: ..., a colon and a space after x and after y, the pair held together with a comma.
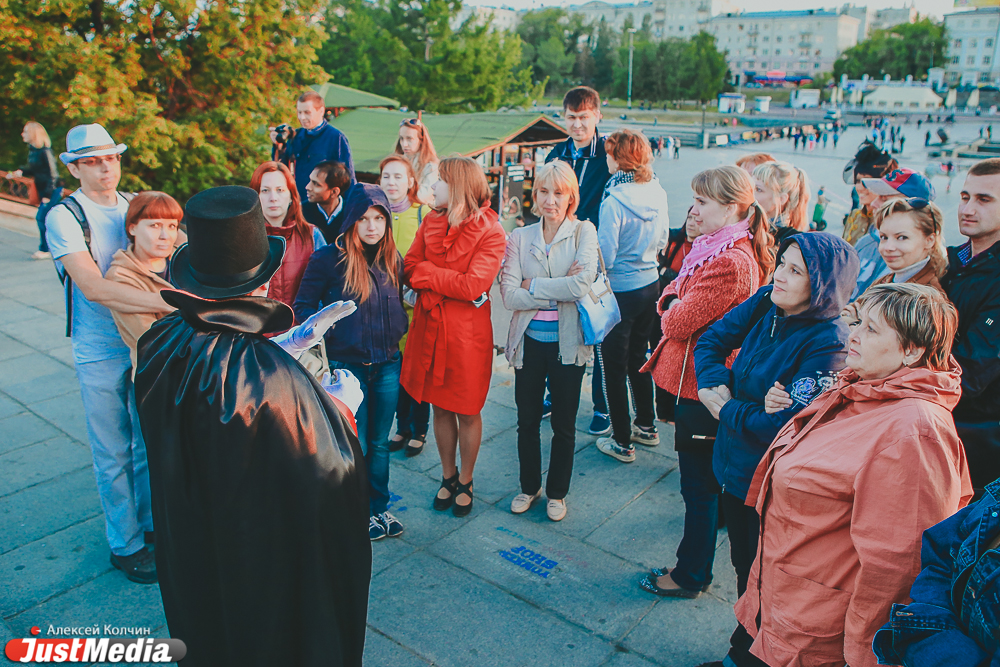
x: 89, y: 141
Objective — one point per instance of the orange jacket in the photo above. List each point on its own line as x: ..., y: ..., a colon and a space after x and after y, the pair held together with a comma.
x: 844, y: 493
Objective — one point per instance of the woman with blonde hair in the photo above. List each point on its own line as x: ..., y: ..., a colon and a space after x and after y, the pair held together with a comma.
x: 731, y: 259
x: 41, y: 166
x: 633, y: 228
x: 452, y: 264
x: 279, y: 199
x: 547, y: 268
x: 414, y: 143
x: 782, y: 190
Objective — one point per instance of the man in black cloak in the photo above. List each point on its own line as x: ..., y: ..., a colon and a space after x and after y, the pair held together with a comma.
x: 259, y: 489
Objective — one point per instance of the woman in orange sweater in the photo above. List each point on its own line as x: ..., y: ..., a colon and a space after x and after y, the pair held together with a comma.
x: 731, y: 258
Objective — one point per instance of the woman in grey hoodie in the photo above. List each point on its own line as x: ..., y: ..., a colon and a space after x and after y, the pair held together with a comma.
x: 633, y: 229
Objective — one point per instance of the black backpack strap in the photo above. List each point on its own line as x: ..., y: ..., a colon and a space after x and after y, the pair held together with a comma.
x: 73, y: 206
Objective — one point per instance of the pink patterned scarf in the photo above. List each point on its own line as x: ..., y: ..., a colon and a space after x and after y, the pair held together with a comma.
x: 707, y: 247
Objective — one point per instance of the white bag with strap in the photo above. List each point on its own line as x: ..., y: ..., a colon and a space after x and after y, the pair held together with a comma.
x: 598, y: 309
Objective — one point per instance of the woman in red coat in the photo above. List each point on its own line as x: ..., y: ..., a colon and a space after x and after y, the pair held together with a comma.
x: 452, y: 263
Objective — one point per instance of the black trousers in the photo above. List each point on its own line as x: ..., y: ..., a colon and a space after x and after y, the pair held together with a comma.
x: 412, y: 417
x: 541, y: 362
x: 982, y: 449
x: 743, y: 525
x: 623, y: 353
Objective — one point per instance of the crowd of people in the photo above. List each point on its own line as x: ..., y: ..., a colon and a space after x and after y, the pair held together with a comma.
x: 833, y: 398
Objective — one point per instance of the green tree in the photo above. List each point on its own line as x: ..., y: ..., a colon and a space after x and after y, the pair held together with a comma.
x: 409, y: 51
x: 546, y: 32
x: 900, y: 51
x: 187, y: 84
x: 606, y: 56
x: 705, y: 68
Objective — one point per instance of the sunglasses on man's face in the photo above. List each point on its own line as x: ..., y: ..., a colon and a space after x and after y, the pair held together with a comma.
x: 96, y: 161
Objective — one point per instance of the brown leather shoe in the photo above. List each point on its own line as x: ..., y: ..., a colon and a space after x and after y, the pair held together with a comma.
x: 139, y: 567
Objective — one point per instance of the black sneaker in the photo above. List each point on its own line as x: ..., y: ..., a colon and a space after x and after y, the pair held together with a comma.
x: 139, y: 567
x: 376, y: 531
x: 393, y: 528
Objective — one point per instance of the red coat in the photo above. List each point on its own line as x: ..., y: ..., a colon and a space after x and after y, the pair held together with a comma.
x: 298, y: 248
x: 710, y: 292
x: 449, y: 349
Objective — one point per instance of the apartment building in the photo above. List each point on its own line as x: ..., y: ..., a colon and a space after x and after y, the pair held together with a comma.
x: 801, y: 43
x: 504, y: 18
x: 974, y: 40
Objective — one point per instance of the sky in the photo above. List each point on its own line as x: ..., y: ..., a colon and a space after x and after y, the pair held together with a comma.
x: 936, y: 8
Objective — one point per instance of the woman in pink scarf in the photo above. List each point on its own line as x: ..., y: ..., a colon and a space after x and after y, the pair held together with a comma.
x: 731, y: 259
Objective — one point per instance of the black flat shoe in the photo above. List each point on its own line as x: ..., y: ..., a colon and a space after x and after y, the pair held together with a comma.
x: 648, y: 584
x: 413, y: 451
x: 396, y: 445
x: 448, y: 484
x: 462, y: 489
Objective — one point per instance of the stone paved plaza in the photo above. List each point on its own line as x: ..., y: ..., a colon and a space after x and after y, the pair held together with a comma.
x: 443, y: 593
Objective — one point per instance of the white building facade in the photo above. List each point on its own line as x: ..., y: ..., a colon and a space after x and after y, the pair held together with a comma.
x: 973, y: 43
x: 504, y: 18
x: 670, y: 18
x: 800, y: 43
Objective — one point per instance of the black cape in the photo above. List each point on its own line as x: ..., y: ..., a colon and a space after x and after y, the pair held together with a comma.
x: 259, y: 492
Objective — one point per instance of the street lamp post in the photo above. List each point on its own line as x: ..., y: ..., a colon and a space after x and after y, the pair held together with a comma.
x: 703, y: 142
x: 631, y: 50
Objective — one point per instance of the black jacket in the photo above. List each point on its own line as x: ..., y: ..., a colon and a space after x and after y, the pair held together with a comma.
x: 372, y: 334
x: 259, y: 492
x: 591, y: 171
x: 975, y: 291
x: 316, y: 218
x: 42, y: 167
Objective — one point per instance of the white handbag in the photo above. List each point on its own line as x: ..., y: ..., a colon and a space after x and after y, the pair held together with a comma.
x: 599, y: 311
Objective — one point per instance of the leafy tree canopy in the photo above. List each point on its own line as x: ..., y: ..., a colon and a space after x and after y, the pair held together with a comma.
x: 899, y: 51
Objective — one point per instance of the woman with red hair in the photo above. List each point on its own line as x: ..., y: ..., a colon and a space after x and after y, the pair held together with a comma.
x: 283, y: 211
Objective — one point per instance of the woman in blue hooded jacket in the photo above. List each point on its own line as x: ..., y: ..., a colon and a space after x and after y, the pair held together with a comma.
x: 364, y: 265
x: 789, y: 333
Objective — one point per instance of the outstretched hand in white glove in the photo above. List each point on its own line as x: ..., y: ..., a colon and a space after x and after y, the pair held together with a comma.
x: 298, y: 339
x: 346, y: 388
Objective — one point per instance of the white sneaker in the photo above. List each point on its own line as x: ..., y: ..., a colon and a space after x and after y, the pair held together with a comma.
x: 41, y: 255
x: 649, y: 437
x: 613, y: 449
x: 522, y: 502
x: 556, y: 509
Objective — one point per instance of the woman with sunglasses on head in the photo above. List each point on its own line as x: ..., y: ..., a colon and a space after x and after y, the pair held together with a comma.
x: 282, y: 207
x: 399, y: 183
x: 414, y: 143
x: 912, y: 244
x: 452, y: 265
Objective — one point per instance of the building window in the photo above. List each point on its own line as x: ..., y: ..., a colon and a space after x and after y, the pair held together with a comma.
x: 765, y: 52
x: 971, y: 60
x: 763, y: 64
x: 767, y: 39
x: 954, y: 60
x: 958, y: 43
x: 986, y: 60
x: 989, y: 43
x: 777, y: 52
x: 778, y: 39
x: 972, y: 43
x: 817, y: 52
x: 816, y: 66
x: 984, y: 76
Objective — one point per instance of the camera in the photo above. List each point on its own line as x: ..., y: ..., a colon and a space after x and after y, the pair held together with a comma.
x: 284, y: 134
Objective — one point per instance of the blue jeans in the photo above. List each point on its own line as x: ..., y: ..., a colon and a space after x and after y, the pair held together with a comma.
x: 43, y: 210
x: 700, y: 490
x: 119, y: 451
x: 380, y: 384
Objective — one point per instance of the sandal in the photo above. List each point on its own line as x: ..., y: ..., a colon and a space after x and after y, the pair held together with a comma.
x: 413, y: 450
x: 462, y: 489
x: 398, y: 441
x: 448, y: 484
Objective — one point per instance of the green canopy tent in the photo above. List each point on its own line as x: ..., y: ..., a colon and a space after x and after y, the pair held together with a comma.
x: 337, y: 98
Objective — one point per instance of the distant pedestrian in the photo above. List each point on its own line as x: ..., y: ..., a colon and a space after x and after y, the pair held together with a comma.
x: 989, y: 133
x: 818, y: 223
x: 824, y: 140
x: 677, y: 149
x: 41, y: 166
x: 927, y: 138
x: 902, y: 142
x: 920, y: 121
x: 836, y: 138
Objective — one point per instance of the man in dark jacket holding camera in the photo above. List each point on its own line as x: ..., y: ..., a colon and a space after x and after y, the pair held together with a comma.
x: 316, y: 141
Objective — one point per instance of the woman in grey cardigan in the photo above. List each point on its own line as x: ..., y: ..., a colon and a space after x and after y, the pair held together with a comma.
x: 547, y: 268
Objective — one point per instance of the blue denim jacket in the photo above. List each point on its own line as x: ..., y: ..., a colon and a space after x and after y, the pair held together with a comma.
x: 936, y: 629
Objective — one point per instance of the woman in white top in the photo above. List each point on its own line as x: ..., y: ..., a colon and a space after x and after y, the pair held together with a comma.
x: 415, y: 144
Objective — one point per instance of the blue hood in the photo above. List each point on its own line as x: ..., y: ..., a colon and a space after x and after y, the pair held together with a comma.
x: 833, y: 267
x: 359, y: 199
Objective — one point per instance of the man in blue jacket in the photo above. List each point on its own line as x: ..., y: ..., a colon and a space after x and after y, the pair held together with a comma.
x: 316, y: 141
x: 584, y: 152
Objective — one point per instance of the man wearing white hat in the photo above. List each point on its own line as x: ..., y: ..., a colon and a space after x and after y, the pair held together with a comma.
x: 84, y: 231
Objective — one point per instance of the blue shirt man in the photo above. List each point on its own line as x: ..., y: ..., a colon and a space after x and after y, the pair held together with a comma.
x: 317, y: 141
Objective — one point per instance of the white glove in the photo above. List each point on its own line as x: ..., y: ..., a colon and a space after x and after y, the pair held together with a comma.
x: 298, y: 339
x: 410, y: 297
x: 346, y: 388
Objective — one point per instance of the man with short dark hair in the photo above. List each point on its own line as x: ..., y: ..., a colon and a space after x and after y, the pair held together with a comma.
x: 584, y: 152
x: 316, y: 141
x: 327, y: 184
x: 973, y: 285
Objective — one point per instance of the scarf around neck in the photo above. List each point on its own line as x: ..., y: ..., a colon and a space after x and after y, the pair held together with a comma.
x: 707, y: 247
x: 403, y: 205
x: 617, y: 178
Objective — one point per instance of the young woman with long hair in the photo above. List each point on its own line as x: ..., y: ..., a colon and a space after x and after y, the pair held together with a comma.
x: 414, y: 143
x: 397, y: 180
x: 782, y: 190
x: 282, y: 208
x: 452, y: 265
x: 731, y: 259
x: 364, y: 266
x: 41, y: 166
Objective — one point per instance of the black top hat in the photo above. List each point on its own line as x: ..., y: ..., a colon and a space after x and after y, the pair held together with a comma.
x: 228, y: 252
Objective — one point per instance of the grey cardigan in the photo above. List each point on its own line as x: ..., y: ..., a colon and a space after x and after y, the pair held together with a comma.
x: 525, y: 259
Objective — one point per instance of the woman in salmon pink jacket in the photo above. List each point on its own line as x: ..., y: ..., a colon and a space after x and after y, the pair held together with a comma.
x: 850, y: 484
x: 452, y: 264
x: 731, y: 258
